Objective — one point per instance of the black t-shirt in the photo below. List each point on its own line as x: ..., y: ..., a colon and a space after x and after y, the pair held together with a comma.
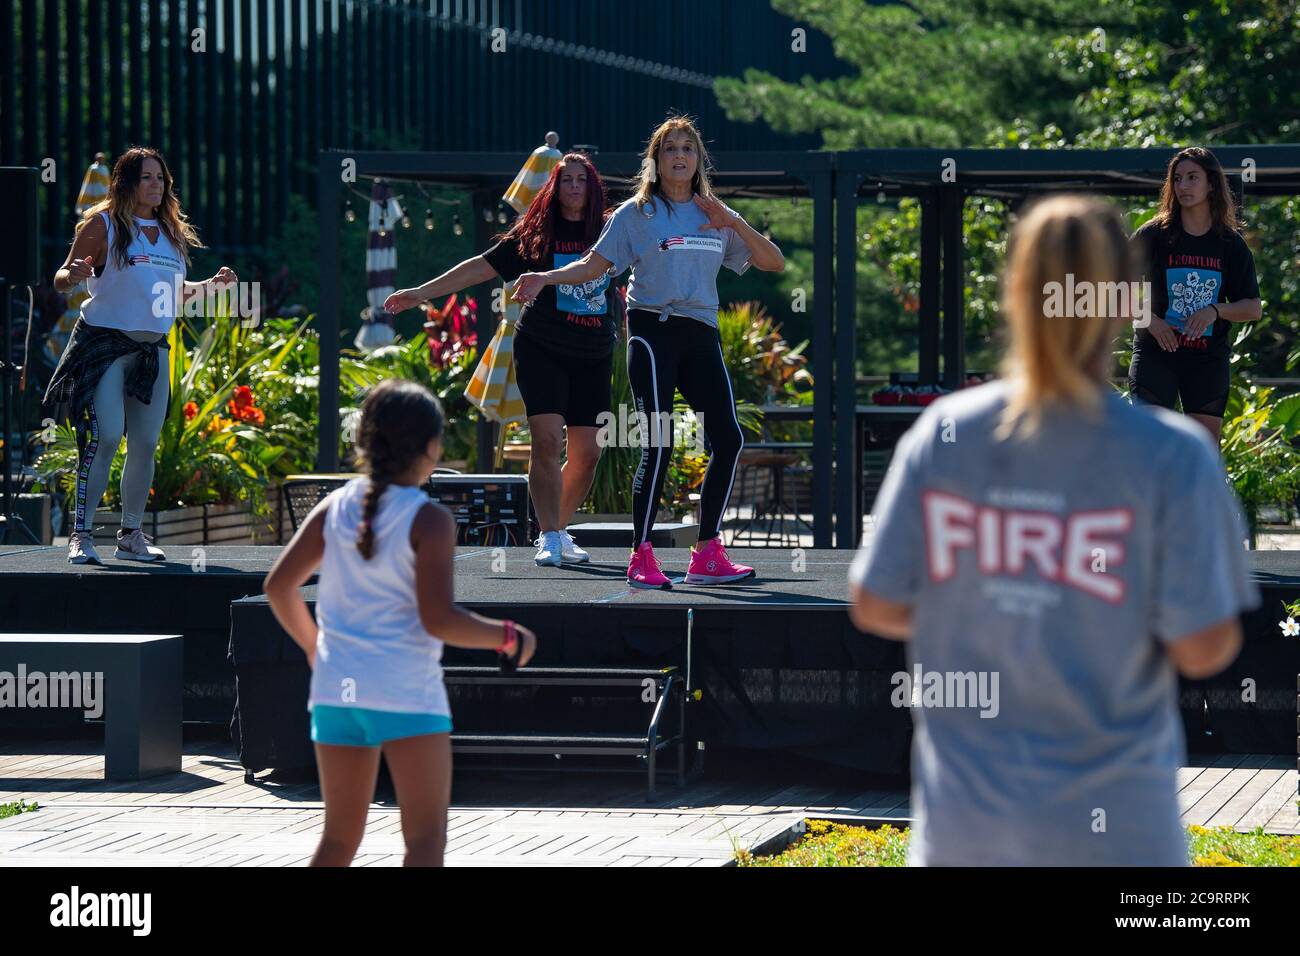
x: 1189, y: 275
x: 569, y: 319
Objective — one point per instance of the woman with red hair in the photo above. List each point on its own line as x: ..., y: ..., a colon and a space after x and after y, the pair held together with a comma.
x: 563, y: 346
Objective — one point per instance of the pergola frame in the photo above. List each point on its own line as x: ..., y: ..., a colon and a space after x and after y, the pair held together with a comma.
x: 749, y: 175
x: 941, y: 179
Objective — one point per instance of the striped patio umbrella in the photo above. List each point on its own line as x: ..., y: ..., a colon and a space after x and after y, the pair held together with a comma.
x: 533, y: 174
x: 492, y: 388
x: 381, y: 268
x: 94, y: 187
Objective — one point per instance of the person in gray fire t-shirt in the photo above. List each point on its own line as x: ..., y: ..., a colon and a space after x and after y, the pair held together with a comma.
x: 1054, y: 556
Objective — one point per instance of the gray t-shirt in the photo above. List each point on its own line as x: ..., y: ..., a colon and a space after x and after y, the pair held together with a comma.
x: 1054, y: 570
x: 674, y: 262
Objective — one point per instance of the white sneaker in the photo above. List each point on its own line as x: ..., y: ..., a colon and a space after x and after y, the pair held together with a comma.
x: 569, y: 550
x: 549, y: 550
x: 135, y: 545
x: 81, y: 548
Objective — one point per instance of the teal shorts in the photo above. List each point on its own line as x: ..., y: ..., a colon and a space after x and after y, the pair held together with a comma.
x: 362, y: 727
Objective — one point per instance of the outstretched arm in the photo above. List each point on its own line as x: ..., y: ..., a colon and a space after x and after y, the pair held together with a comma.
x: 460, y: 276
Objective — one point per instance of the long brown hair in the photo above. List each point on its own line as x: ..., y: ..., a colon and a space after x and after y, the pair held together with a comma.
x: 535, y: 229
x: 398, y: 420
x: 1051, y: 359
x: 648, y: 185
x: 120, y: 206
x: 1223, y: 205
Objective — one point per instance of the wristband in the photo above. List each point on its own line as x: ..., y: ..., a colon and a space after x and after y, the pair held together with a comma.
x: 508, y: 645
x: 1215, y: 307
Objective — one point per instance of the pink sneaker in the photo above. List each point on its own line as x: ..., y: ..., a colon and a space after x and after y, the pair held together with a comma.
x: 710, y: 565
x: 643, y: 571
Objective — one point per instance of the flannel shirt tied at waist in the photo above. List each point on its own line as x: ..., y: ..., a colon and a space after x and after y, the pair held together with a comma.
x: 91, y: 349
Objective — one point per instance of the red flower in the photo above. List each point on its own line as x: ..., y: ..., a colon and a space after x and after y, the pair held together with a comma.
x: 190, y: 411
x: 243, y: 409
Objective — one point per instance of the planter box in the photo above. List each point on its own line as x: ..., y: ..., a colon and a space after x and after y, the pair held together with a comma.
x: 207, y: 524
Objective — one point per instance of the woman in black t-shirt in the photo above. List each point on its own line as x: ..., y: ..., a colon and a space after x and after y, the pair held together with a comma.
x: 1203, y: 279
x: 563, y: 344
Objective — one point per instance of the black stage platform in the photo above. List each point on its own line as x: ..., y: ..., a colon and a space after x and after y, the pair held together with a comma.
x: 778, y: 662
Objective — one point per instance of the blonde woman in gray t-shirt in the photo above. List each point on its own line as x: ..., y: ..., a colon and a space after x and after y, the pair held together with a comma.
x: 1054, y: 557
x: 675, y: 235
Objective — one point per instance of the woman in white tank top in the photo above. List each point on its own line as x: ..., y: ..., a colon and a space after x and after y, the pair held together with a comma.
x: 385, y: 606
x: 132, y: 251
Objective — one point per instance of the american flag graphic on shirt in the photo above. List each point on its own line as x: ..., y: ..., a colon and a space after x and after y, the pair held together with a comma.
x: 140, y: 260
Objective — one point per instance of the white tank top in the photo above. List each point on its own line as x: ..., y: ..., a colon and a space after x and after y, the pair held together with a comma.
x: 143, y: 296
x: 372, y: 651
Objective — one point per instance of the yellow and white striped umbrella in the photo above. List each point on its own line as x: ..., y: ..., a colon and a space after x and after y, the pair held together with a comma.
x: 534, y: 173
x: 94, y: 187
x: 492, y: 388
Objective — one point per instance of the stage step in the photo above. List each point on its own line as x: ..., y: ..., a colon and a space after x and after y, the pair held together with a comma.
x: 664, y: 684
x: 547, y: 741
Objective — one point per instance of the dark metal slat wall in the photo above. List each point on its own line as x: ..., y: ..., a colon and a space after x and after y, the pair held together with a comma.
x: 279, y: 80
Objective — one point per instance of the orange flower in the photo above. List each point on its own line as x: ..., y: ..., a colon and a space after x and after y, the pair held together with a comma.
x: 218, y: 423
x: 190, y: 410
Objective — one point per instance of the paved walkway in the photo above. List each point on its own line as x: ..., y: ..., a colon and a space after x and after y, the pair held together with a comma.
x: 207, y: 816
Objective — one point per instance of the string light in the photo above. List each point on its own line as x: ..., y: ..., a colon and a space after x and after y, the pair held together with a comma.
x: 881, y: 197
x: 501, y: 216
x: 487, y: 214
x: 406, y: 222
x: 382, y: 231
x: 348, y: 213
x: 428, y: 219
x: 456, y: 227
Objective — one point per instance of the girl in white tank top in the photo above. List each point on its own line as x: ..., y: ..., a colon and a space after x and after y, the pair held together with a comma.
x: 384, y: 609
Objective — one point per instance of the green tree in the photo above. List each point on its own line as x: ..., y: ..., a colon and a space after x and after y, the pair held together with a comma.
x: 1043, y: 74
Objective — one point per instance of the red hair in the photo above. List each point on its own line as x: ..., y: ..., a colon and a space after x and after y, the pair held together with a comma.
x: 535, y: 229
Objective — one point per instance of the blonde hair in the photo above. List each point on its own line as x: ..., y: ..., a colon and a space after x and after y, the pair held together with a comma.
x: 1053, y: 359
x: 648, y: 186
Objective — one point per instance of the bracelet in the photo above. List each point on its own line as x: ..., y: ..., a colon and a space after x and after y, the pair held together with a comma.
x: 508, y: 645
x: 1215, y: 307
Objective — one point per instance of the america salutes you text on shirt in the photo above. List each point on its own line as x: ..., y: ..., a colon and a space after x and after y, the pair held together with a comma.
x: 674, y: 243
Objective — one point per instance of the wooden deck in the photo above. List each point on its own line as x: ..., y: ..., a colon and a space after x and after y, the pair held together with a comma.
x: 207, y: 816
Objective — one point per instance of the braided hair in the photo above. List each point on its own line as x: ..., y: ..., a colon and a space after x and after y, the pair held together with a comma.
x: 398, y: 420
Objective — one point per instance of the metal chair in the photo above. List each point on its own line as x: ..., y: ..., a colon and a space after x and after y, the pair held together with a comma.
x: 304, y: 492
x: 776, y: 473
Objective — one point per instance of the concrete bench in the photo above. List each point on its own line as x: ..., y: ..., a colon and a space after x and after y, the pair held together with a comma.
x: 140, y: 691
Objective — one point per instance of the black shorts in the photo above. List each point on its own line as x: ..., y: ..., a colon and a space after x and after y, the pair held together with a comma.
x: 1199, y: 378
x: 577, y: 388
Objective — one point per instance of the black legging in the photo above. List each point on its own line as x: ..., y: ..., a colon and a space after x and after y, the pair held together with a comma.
x: 686, y: 354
